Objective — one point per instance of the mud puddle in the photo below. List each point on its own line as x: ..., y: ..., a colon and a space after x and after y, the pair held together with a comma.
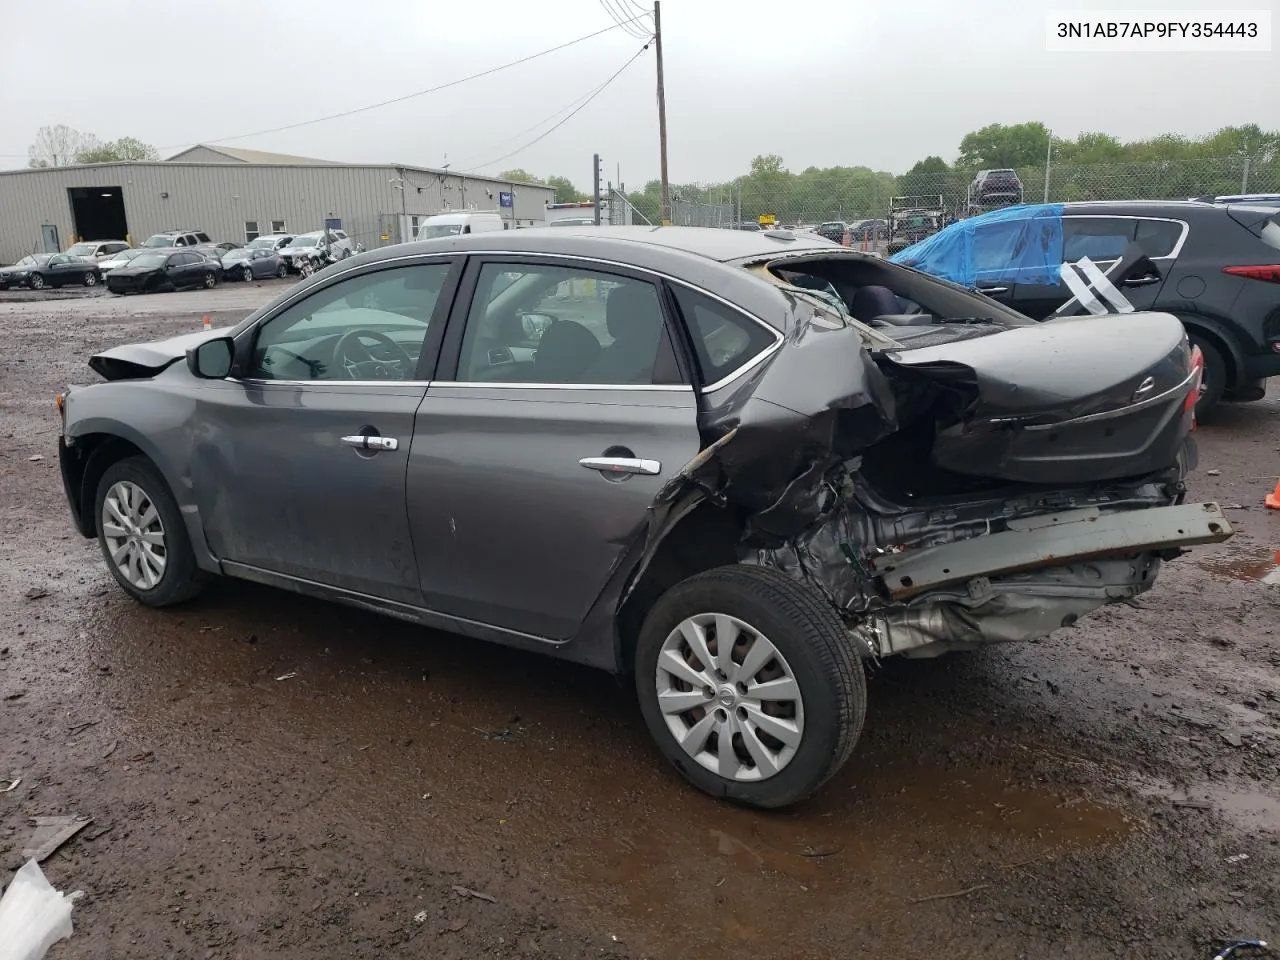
x: 1246, y: 568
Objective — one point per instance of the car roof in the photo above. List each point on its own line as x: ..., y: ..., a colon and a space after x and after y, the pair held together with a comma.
x: 712, y: 243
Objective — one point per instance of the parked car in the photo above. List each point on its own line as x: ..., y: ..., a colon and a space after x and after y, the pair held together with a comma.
x: 705, y: 476
x: 567, y: 222
x: 1251, y: 199
x: 162, y: 270
x: 178, y: 238
x: 276, y: 241
x: 249, y: 264
x: 832, y: 230
x: 222, y: 249
x: 1214, y: 266
x: 97, y: 250
x: 995, y: 187
x: 117, y: 260
x: 311, y: 247
x: 40, y: 270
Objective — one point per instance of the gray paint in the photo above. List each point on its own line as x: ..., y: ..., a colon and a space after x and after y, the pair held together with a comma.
x: 220, y: 197
x: 483, y: 520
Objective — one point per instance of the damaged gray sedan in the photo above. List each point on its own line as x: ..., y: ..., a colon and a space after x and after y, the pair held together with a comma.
x: 735, y: 466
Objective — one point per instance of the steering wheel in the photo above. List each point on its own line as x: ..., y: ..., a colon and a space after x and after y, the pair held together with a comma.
x: 366, y: 366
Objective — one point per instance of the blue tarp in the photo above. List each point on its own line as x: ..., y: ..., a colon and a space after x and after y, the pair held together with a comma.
x: 1021, y: 243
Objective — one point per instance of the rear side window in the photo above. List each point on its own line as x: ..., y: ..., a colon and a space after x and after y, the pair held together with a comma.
x: 1098, y: 238
x: 723, y: 339
x: 1157, y: 238
x: 1270, y: 233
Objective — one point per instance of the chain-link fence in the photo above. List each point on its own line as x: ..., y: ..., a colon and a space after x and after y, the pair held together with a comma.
x: 856, y: 197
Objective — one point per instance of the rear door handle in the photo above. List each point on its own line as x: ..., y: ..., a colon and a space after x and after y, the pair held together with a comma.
x: 622, y: 465
x: 372, y: 443
x: 1139, y: 281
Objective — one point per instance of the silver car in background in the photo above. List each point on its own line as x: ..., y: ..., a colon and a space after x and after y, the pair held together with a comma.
x: 661, y: 453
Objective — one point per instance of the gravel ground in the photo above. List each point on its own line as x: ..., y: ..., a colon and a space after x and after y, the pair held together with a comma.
x: 271, y: 776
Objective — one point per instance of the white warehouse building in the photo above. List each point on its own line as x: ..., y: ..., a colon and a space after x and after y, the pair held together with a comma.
x: 234, y: 195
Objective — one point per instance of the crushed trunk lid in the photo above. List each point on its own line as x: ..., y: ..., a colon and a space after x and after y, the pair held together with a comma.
x: 1078, y: 399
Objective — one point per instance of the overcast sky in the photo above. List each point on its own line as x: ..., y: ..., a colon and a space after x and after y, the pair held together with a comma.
x: 820, y: 82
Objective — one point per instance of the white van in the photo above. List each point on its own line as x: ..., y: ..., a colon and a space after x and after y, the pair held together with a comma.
x: 452, y: 224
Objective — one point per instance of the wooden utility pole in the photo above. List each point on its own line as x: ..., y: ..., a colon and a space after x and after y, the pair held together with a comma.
x: 662, y: 115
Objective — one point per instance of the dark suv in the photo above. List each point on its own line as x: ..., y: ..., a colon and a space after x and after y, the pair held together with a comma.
x: 1214, y: 266
x: 995, y: 187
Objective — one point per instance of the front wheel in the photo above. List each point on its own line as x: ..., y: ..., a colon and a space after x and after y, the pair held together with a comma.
x: 306, y: 268
x: 143, y: 538
x: 282, y: 271
x: 750, y: 684
x: 209, y: 280
x: 246, y: 273
x: 36, y: 281
x: 90, y: 279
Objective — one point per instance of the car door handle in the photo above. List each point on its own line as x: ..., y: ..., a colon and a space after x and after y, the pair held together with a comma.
x: 619, y: 465
x: 990, y: 290
x: 372, y: 443
x: 1139, y: 281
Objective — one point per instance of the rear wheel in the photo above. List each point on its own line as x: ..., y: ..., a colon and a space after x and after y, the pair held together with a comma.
x: 750, y: 685
x: 1214, y: 378
x: 142, y: 534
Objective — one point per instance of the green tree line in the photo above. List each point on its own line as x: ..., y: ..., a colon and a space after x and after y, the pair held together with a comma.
x: 1092, y: 166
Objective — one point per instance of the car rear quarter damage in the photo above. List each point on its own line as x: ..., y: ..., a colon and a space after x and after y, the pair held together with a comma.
x: 992, y: 484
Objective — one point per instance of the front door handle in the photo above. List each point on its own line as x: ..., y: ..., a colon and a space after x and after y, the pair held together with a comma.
x: 1139, y: 281
x: 622, y: 465
x: 372, y: 443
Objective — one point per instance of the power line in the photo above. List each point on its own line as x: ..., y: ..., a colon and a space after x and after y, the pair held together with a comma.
x: 546, y: 133
x: 419, y: 93
x: 618, y: 14
x: 576, y: 102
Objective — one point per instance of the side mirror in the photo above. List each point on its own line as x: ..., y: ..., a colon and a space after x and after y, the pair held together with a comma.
x: 211, y: 360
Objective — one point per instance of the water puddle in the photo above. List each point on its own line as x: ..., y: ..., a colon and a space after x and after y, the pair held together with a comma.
x: 1247, y: 568
x: 854, y: 858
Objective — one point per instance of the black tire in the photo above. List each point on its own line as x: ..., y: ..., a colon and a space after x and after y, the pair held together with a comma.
x: 282, y: 271
x: 181, y: 579
x: 1214, y: 378
x: 246, y: 273
x: 90, y: 279
x: 209, y: 280
x: 805, y: 629
x: 36, y: 281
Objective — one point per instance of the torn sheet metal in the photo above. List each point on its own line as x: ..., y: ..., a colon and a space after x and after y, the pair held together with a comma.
x: 819, y: 400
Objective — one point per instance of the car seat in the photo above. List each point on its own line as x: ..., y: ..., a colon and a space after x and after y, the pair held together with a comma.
x: 564, y: 353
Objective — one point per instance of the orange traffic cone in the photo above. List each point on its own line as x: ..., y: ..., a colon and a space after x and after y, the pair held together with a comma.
x: 1273, y: 499
x: 208, y: 325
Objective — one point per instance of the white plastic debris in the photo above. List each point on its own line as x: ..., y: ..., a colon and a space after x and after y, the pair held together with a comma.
x: 33, y: 915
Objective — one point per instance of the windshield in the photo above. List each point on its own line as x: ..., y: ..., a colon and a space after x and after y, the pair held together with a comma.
x: 27, y: 261
x: 159, y: 240
x: 150, y: 260
x: 81, y: 249
x: 305, y: 241
x: 433, y: 230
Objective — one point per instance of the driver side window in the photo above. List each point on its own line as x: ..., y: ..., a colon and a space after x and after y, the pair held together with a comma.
x: 368, y: 327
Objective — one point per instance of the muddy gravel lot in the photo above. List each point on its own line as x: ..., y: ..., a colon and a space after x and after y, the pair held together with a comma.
x: 271, y: 776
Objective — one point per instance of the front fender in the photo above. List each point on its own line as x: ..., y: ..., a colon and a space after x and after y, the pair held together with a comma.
x: 154, y: 420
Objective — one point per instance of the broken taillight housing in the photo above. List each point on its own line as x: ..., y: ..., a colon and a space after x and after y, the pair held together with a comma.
x: 1197, y: 366
x: 1269, y: 273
